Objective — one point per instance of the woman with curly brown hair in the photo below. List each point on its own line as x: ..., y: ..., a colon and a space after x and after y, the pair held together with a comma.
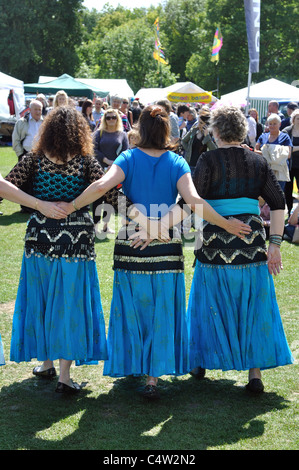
x: 58, y: 313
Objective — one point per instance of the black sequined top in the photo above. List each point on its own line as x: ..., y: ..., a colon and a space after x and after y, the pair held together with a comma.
x: 72, y: 237
x: 232, y: 173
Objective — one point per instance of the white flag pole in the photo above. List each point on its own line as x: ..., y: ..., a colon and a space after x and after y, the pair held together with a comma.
x: 248, y: 90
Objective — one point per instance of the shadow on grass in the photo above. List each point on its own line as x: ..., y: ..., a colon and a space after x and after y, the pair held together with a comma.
x: 14, y: 218
x: 191, y: 415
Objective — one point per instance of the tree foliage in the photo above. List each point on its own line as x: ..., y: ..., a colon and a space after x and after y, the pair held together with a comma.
x: 51, y: 37
x: 39, y: 38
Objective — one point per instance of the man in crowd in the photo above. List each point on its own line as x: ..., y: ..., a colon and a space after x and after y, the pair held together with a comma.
x: 173, y: 119
x: 26, y: 129
x: 290, y: 108
x: 98, y: 111
x: 24, y: 133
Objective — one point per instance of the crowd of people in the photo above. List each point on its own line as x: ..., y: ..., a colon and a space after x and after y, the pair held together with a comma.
x: 156, y: 165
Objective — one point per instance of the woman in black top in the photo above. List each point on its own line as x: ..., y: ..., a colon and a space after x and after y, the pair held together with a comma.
x: 234, y: 320
x: 58, y: 313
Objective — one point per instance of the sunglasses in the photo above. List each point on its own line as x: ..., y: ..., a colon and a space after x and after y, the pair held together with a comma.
x: 110, y: 117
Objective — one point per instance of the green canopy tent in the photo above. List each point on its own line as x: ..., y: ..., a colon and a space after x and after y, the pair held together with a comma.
x: 67, y: 83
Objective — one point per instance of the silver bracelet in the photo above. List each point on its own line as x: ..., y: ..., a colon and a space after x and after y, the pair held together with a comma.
x: 74, y: 204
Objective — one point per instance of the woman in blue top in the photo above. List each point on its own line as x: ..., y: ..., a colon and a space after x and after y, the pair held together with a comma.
x: 148, y: 328
x: 276, y: 137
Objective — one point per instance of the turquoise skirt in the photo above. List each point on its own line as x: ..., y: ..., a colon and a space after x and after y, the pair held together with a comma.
x: 234, y: 319
x: 58, y: 312
x: 148, y: 330
x: 2, y: 360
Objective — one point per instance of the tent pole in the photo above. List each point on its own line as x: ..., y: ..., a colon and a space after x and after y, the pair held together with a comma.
x: 217, y: 72
x: 248, y: 92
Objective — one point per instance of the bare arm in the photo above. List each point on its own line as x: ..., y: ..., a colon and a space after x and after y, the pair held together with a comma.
x: 97, y: 189
x: 12, y: 193
x: 293, y: 220
x: 198, y: 205
x: 274, y: 254
x: 257, y: 148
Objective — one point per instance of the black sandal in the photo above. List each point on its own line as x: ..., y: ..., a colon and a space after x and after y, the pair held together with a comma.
x: 198, y: 373
x: 255, y: 386
x: 45, y: 374
x: 64, y: 388
x: 151, y: 392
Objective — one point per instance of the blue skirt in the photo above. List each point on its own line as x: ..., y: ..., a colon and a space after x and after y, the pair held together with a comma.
x: 2, y: 360
x: 58, y: 312
x: 148, y: 330
x: 234, y: 320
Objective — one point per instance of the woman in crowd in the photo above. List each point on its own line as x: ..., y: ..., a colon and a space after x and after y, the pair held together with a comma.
x: 198, y: 139
x: 234, y: 320
x: 109, y: 141
x: 58, y: 313
x: 87, y: 108
x: 259, y: 127
x: 191, y: 118
x: 148, y: 330
x: 293, y: 132
x: 276, y: 147
x: 60, y: 99
x: 41, y: 97
x: 124, y: 107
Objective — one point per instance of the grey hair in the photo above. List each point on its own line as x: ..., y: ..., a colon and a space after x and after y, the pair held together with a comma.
x: 274, y: 117
x: 35, y: 102
x: 115, y: 98
x: 230, y: 123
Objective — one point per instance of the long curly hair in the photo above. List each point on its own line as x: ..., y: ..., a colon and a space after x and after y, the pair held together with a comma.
x: 64, y: 134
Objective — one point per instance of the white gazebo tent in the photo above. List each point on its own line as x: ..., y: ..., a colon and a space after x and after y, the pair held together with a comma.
x: 261, y: 93
x: 8, y: 83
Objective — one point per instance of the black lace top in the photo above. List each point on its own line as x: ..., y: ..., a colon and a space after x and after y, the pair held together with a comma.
x: 55, y: 182
x: 233, y: 173
x: 228, y: 173
x: 71, y: 238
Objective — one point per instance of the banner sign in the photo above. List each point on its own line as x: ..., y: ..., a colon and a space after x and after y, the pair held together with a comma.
x: 205, y: 97
x: 252, y: 16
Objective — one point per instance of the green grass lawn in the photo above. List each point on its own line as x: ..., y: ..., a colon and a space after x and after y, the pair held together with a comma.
x: 213, y: 414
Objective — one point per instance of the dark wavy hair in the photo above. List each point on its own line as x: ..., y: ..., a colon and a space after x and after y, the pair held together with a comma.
x: 86, y: 104
x: 64, y: 133
x: 154, y: 129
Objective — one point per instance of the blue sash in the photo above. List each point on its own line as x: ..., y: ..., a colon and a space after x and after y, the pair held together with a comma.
x: 241, y: 205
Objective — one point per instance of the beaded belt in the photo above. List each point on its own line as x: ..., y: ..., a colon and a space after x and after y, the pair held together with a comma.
x: 71, y: 238
x: 157, y: 257
x: 220, y: 247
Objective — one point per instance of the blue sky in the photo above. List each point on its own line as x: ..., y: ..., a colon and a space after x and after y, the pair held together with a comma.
x: 125, y: 3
